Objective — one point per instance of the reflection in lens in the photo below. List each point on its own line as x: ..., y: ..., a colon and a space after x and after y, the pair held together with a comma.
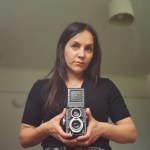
x: 76, y: 124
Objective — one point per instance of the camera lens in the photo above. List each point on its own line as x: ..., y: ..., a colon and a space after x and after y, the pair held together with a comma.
x: 75, y: 112
x: 76, y: 125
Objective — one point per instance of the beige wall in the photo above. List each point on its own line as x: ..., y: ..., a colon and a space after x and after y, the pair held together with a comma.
x: 22, y: 80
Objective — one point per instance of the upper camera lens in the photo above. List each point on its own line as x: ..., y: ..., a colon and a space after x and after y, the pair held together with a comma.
x: 75, y: 112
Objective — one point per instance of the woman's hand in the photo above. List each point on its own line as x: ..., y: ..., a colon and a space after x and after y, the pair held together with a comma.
x: 54, y: 129
x: 30, y: 135
x: 93, y: 131
x: 123, y: 131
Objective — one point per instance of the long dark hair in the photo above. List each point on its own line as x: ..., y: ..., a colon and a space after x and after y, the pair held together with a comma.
x: 55, y: 87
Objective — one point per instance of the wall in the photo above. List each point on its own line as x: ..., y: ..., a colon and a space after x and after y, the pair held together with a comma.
x: 15, y: 85
x: 139, y: 109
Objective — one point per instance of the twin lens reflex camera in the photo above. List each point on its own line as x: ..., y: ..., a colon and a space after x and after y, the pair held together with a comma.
x: 75, y: 121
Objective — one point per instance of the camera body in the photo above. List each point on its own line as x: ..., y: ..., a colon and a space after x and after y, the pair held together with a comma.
x: 75, y: 121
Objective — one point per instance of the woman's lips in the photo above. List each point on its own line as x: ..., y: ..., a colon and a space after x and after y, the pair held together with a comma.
x: 79, y: 63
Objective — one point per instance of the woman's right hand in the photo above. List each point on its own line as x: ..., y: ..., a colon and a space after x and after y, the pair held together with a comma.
x: 30, y: 135
x: 54, y: 129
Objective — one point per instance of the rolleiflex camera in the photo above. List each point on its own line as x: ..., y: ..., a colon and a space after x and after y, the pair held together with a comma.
x: 75, y: 121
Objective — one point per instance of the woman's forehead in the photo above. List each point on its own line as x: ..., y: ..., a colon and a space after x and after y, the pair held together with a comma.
x: 85, y: 36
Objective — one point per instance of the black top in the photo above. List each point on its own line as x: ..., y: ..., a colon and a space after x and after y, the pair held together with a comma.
x: 104, y: 101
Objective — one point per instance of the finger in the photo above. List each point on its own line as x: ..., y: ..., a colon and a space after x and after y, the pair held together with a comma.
x: 89, y: 115
x: 62, y: 114
x: 84, y: 137
x: 66, y: 135
x: 63, y: 134
x: 85, y: 142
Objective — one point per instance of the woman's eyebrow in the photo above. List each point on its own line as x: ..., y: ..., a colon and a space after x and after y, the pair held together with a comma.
x: 90, y: 45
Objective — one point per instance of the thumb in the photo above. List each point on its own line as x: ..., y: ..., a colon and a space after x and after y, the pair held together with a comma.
x: 62, y: 114
x: 88, y: 113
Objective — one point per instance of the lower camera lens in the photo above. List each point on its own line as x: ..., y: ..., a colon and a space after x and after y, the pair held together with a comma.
x: 76, y: 125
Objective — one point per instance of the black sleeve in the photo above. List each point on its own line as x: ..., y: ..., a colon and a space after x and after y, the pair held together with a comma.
x: 118, y: 108
x: 33, y: 110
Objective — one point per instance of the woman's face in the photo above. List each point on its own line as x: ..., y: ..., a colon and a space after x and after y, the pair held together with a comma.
x: 79, y: 52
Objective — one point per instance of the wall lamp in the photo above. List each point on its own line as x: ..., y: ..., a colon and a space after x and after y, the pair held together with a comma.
x: 121, y: 12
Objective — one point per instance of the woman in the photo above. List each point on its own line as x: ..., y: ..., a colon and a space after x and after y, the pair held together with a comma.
x: 77, y: 65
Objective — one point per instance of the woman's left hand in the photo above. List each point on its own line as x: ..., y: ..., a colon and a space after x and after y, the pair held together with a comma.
x: 93, y: 131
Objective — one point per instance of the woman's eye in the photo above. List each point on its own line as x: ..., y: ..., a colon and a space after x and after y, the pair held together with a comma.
x: 89, y: 49
x: 75, y: 46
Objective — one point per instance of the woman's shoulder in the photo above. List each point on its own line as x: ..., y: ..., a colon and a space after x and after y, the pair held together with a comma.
x: 100, y: 82
x: 40, y: 83
x: 104, y: 80
x: 107, y: 84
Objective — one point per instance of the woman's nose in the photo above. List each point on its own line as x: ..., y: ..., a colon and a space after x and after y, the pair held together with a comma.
x: 81, y: 53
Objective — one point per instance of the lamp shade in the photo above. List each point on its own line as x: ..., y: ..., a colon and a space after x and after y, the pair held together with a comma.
x: 121, y: 12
